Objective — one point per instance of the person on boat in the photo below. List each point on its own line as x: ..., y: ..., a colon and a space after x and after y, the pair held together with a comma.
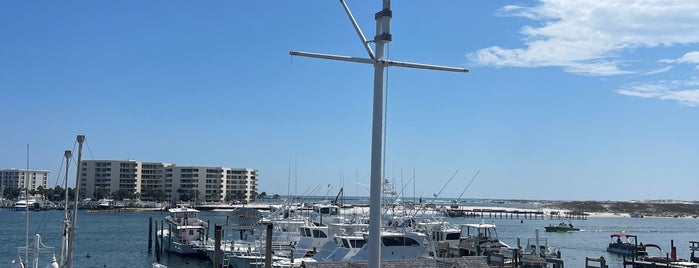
x: 618, y: 240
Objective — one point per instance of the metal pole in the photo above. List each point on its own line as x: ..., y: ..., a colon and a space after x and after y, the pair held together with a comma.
x: 66, y: 222
x: 383, y: 36
x: 74, y: 223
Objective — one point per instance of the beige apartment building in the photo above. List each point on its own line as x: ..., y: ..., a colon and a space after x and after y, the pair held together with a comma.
x: 171, y: 182
x: 22, y: 178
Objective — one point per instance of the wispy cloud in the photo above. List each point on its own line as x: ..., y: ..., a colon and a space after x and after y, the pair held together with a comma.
x: 589, y: 37
x: 685, y: 92
x: 657, y: 71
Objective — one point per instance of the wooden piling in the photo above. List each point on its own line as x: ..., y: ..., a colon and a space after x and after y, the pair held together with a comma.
x: 217, y: 246
x: 150, y: 233
x: 161, y: 236
x: 157, y: 244
x: 268, y: 246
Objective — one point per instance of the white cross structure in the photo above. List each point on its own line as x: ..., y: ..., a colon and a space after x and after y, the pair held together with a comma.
x: 383, y: 36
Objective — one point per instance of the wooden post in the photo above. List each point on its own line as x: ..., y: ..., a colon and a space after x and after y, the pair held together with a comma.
x: 268, y: 246
x: 162, y: 227
x: 217, y: 246
x: 169, y: 238
x: 150, y: 233
x: 157, y: 244
x: 207, y: 230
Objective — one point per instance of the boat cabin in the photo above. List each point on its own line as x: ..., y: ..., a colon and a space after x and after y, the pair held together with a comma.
x: 349, y: 241
x: 480, y: 239
x: 441, y: 232
x: 482, y: 231
x: 326, y: 210
x: 313, y: 231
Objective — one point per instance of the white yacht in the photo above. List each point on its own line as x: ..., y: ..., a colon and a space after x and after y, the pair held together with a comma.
x: 25, y: 202
x: 394, y: 246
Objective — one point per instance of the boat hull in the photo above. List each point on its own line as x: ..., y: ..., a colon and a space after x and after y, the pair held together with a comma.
x: 627, y: 250
x: 560, y: 229
x: 182, y: 249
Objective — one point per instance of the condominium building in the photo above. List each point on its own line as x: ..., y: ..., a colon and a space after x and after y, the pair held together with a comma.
x: 188, y: 183
x: 22, y: 178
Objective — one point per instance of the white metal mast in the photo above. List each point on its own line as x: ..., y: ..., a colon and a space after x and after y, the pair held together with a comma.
x: 74, y: 221
x: 66, y: 221
x: 383, y: 36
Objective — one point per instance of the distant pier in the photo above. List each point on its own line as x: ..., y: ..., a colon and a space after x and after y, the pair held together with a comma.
x: 497, y: 213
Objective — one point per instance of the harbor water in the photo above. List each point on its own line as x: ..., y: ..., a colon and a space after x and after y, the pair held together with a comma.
x: 121, y: 239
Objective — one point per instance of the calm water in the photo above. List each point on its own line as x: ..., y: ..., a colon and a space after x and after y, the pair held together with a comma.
x: 120, y: 240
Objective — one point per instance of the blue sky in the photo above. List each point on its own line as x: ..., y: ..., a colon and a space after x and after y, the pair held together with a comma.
x: 566, y: 100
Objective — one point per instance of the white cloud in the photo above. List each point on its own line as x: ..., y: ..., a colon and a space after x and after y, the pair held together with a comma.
x: 682, y: 91
x: 657, y: 71
x: 587, y: 37
x: 686, y: 97
x: 689, y: 57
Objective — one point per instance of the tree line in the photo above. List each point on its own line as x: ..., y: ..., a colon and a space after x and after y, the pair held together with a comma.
x: 57, y: 194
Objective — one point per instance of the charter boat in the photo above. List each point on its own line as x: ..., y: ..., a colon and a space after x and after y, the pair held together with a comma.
x: 394, y: 246
x: 346, y: 246
x: 187, y: 233
x: 480, y: 239
x: 626, y: 244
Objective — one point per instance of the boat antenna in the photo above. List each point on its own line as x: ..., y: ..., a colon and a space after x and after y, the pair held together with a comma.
x: 376, y: 58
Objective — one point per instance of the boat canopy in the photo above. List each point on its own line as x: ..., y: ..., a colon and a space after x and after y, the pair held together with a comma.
x: 652, y: 246
x: 622, y: 235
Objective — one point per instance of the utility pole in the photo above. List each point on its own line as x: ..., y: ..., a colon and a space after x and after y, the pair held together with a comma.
x: 382, y: 37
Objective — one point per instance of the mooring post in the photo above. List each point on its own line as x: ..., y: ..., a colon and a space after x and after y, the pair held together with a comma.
x: 268, y: 246
x: 162, y: 227
x: 169, y: 238
x: 217, y: 246
x: 150, y: 233
x: 157, y: 244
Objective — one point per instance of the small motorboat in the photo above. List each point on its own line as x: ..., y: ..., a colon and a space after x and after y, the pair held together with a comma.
x: 561, y: 227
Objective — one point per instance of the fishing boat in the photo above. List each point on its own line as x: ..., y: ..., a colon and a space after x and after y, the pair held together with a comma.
x: 187, y: 233
x: 394, y: 246
x: 480, y: 239
x: 626, y: 244
x: 561, y: 228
